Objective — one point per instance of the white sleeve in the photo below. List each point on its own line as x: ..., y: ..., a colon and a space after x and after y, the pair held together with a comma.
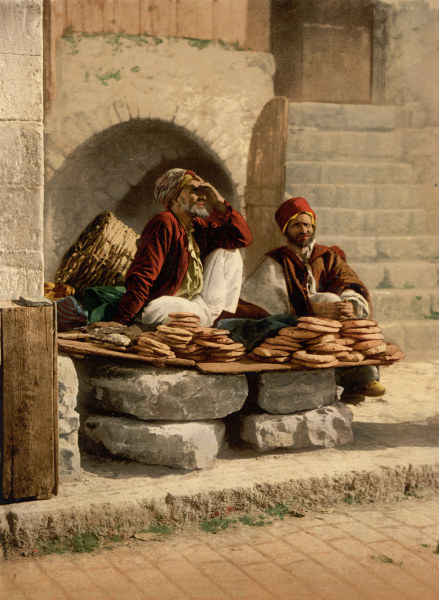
x: 361, y: 306
x: 266, y: 287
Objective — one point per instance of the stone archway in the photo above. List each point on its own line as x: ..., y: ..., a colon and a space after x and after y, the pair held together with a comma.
x: 116, y: 170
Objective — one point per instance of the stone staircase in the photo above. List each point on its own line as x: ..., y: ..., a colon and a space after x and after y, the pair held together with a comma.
x: 348, y: 162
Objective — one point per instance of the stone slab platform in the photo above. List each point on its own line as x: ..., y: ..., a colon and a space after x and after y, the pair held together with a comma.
x: 395, y: 449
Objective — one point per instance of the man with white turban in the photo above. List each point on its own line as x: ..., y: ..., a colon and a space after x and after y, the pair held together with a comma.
x: 184, y: 262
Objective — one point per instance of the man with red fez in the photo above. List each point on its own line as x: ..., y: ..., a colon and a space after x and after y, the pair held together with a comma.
x: 304, y: 278
x: 184, y: 262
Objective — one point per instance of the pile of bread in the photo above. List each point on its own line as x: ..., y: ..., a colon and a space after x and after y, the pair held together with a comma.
x: 315, y: 343
x: 318, y: 343
x: 181, y: 341
x: 182, y: 337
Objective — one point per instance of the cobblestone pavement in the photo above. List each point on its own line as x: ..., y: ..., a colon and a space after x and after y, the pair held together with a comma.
x: 382, y: 551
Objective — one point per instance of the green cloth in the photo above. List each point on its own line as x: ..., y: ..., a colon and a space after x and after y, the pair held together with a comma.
x: 102, y: 301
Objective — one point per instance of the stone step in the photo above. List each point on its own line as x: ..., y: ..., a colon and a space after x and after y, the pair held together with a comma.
x: 370, y: 248
x: 408, y: 304
x: 397, y: 274
x: 376, y: 222
x: 419, y: 340
x: 309, y: 144
x: 352, y: 172
x: 364, y: 196
x: 355, y: 117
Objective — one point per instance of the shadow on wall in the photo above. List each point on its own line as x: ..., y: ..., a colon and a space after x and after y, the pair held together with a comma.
x: 115, y: 171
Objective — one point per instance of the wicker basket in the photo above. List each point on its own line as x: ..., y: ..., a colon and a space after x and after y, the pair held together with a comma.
x: 100, y: 256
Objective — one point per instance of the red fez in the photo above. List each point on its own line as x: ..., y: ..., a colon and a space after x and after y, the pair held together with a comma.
x: 290, y: 209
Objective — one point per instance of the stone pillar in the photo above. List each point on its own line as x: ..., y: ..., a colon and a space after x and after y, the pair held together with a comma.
x: 21, y: 147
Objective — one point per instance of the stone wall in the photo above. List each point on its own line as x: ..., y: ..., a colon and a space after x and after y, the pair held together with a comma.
x: 21, y: 147
x: 412, y: 80
x: 127, y: 110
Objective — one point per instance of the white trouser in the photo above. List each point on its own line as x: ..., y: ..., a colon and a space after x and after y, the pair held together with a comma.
x: 222, y: 279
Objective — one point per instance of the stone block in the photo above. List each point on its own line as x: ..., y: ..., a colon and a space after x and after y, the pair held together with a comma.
x: 419, y: 274
x: 190, y: 445
x: 69, y: 458
x: 20, y: 278
x: 364, y: 196
x: 391, y: 304
x: 285, y: 393
x: 21, y: 154
x: 343, y: 116
x: 21, y: 224
x: 308, y: 144
x: 324, y: 427
x: 172, y: 394
x: 347, y: 172
x: 18, y: 73
x: 360, y: 222
x: 21, y: 27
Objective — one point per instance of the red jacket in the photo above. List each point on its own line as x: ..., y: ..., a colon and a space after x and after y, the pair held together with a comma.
x: 330, y: 271
x: 162, y: 258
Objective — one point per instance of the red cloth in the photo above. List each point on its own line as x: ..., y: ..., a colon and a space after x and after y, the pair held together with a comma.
x: 330, y: 271
x: 162, y: 258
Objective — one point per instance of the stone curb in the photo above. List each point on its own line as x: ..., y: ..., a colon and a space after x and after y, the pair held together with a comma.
x: 24, y: 526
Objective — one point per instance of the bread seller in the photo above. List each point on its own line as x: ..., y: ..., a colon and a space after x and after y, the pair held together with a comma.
x: 305, y: 278
x: 184, y: 262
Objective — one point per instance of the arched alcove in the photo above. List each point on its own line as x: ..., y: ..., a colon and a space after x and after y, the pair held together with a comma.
x: 116, y: 170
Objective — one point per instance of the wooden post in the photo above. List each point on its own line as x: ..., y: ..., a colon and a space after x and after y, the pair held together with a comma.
x: 265, y: 187
x: 28, y: 402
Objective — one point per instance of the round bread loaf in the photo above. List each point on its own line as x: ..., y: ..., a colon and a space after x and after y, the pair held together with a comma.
x: 265, y: 352
x: 174, y: 331
x: 358, y: 323
x: 323, y: 339
x: 314, y: 365
x: 317, y: 328
x: 313, y: 358
x: 365, y: 345
x: 374, y: 350
x: 295, y: 333
x: 354, y: 356
x: 329, y: 346
x: 321, y: 321
x: 355, y: 330
x: 367, y: 336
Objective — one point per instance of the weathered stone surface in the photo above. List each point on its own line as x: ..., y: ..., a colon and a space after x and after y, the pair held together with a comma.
x: 69, y: 458
x: 22, y: 214
x: 343, y: 116
x: 192, y: 445
x: 21, y: 153
x: 323, y: 427
x: 21, y: 27
x: 18, y: 73
x: 285, y: 393
x: 174, y: 394
x: 17, y: 279
x: 232, y: 88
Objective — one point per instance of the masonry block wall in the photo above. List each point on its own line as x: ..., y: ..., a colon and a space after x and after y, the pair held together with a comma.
x: 21, y: 148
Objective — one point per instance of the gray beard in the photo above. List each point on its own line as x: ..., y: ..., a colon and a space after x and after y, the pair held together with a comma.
x: 194, y: 211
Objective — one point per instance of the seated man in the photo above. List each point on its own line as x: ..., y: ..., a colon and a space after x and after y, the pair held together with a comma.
x: 184, y: 262
x: 306, y: 278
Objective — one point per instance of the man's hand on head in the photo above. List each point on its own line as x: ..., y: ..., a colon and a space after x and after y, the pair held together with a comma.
x: 213, y: 197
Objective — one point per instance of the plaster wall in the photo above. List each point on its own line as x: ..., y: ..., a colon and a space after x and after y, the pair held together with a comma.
x: 208, y: 95
x: 21, y: 148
